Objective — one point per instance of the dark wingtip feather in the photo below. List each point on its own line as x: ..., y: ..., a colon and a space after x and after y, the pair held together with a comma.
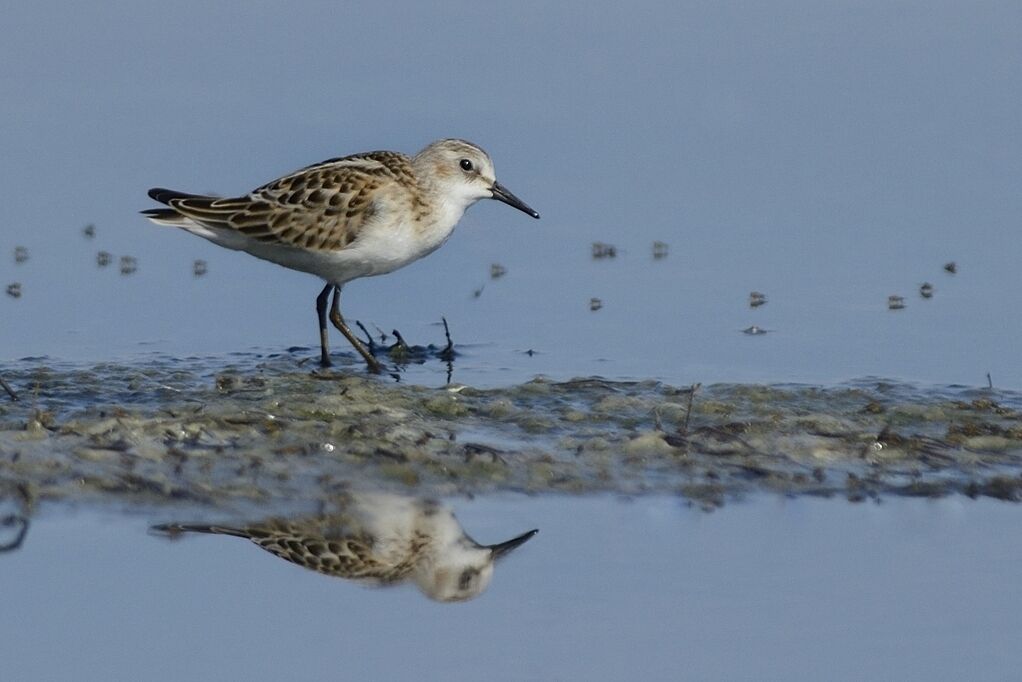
x: 165, y: 195
x: 161, y: 213
x: 175, y: 529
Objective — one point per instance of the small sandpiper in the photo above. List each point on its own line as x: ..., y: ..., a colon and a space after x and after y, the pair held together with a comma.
x: 379, y: 539
x: 357, y: 216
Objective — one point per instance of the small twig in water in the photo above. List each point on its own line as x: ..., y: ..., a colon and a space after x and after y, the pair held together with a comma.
x: 400, y: 342
x: 448, y: 352
x: 14, y: 520
x: 990, y: 382
x: 369, y: 337
x: 688, y: 412
x: 8, y: 389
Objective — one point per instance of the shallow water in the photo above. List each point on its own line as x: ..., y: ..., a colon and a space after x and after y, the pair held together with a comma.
x: 828, y: 156
x: 610, y: 588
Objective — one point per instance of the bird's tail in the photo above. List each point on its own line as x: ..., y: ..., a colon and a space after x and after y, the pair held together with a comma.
x: 168, y: 216
x: 172, y: 530
x: 165, y: 216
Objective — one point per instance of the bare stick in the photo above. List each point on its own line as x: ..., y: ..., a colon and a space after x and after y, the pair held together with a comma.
x: 448, y: 352
x: 400, y: 341
x: 10, y: 391
x: 369, y: 337
x: 14, y: 520
x: 688, y: 412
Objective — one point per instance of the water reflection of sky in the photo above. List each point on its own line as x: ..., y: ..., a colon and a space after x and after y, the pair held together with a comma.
x: 799, y: 590
x: 826, y: 155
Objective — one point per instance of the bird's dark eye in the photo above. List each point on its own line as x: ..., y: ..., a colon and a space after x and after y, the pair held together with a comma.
x: 466, y: 165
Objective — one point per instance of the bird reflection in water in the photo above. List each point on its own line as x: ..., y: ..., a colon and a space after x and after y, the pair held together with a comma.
x: 378, y: 539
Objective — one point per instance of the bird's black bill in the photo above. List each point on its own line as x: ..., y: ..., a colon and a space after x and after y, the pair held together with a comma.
x: 502, y: 193
x: 503, y: 548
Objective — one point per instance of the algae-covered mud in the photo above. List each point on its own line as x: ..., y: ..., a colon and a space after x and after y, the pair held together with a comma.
x: 224, y: 431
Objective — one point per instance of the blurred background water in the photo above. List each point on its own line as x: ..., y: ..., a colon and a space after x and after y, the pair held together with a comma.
x: 828, y: 155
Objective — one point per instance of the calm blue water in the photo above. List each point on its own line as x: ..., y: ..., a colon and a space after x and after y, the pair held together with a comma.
x: 827, y: 155
x: 608, y: 590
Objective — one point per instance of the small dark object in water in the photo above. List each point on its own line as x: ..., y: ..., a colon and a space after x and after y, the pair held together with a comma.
x: 20, y: 254
x: 89, y: 231
x: 990, y: 381
x: 14, y: 290
x: 448, y: 351
x: 754, y: 330
x: 478, y: 292
x: 103, y: 259
x: 601, y: 250
x: 659, y: 250
x: 399, y: 346
x: 369, y: 337
x: 895, y: 302
x: 199, y: 268
x: 10, y: 521
x: 951, y: 267
x: 530, y: 352
x: 129, y: 264
x: 756, y: 299
x: 926, y: 290
x: 10, y: 391
x: 497, y: 271
x: 595, y: 304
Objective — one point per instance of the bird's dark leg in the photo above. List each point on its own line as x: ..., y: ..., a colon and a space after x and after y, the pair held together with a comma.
x: 335, y: 316
x: 321, y: 303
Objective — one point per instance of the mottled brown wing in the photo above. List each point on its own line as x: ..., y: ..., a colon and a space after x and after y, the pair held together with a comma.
x: 348, y: 557
x: 322, y: 207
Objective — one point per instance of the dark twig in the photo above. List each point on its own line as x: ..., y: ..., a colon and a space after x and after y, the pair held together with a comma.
x: 9, y: 390
x: 448, y: 352
x: 369, y: 337
x: 990, y: 382
x: 400, y: 344
x: 12, y: 520
x: 688, y: 412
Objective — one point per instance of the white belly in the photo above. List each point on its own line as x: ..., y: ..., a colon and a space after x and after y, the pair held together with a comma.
x: 381, y: 248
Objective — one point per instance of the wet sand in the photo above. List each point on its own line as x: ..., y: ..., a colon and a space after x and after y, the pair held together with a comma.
x: 214, y: 432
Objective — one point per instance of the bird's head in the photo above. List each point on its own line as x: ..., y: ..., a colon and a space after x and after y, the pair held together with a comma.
x: 464, y: 174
